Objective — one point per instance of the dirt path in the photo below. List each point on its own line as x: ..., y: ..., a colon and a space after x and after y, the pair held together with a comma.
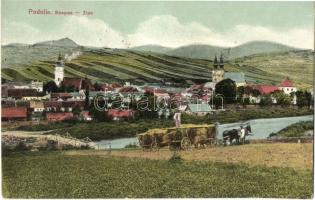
x: 298, y: 156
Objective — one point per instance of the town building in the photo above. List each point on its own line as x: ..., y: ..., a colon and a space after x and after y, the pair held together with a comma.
x: 14, y: 113
x: 287, y: 86
x: 37, y: 85
x: 37, y: 106
x: 59, y: 70
x: 117, y: 115
x: 218, y: 70
x: 59, y: 116
x: 199, y: 109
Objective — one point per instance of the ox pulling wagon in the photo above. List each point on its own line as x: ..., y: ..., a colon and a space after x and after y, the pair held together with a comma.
x: 184, y: 137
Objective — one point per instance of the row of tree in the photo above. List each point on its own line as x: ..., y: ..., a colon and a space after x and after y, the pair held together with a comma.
x: 232, y: 94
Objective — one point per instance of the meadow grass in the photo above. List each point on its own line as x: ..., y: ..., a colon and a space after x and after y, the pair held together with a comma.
x: 57, y: 175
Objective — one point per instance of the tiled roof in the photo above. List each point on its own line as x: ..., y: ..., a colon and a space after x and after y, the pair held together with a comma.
x: 203, y: 107
x: 115, y: 85
x: 265, y: 89
x: 72, y: 82
x: 119, y: 113
x: 19, y: 93
x: 128, y: 89
x: 61, y: 95
x: 59, y: 116
x: 286, y: 83
x: 52, y: 104
x: 14, y: 112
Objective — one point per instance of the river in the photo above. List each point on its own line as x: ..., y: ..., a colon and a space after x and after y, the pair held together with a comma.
x: 261, y: 128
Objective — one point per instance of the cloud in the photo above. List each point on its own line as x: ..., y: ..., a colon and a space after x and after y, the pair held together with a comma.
x: 91, y: 32
x: 297, y: 37
x: 18, y: 32
x: 164, y: 30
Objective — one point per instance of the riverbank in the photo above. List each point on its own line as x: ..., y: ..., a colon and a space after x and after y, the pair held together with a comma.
x: 93, y: 174
x: 299, y: 129
x: 123, y: 129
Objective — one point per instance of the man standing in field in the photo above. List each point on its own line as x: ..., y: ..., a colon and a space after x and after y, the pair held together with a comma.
x: 242, y: 135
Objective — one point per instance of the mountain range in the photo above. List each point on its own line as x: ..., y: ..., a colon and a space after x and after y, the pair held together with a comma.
x: 203, y: 51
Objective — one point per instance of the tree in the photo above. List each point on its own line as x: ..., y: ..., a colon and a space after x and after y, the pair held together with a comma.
x: 302, y: 98
x: 282, y: 98
x: 266, y: 101
x: 50, y: 86
x: 227, y: 88
x: 240, y: 93
x: 308, y: 97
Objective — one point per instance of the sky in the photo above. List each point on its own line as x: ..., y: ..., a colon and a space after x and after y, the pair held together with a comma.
x: 171, y: 24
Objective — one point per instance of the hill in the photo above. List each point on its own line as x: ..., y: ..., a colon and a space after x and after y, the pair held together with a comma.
x: 23, y: 63
x: 298, y: 65
x: 202, y: 51
x: 152, y: 48
x: 64, y: 42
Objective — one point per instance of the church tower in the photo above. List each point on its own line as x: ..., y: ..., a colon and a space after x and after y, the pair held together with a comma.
x: 218, y: 69
x: 59, y: 71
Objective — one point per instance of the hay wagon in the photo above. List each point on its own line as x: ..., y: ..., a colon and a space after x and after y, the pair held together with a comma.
x: 184, y: 137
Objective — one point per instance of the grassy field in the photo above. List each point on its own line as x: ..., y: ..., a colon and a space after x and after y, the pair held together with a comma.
x: 298, y: 65
x: 86, y: 174
x: 118, y: 65
x: 110, y: 130
x: 292, y: 155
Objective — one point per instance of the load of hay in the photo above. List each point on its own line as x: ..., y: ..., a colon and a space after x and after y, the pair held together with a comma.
x: 196, y: 133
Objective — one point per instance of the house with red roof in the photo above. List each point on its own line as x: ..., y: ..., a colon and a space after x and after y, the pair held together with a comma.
x: 59, y: 116
x: 14, y: 113
x: 287, y: 86
x: 20, y: 93
x: 116, y: 114
x: 265, y: 89
x: 77, y: 83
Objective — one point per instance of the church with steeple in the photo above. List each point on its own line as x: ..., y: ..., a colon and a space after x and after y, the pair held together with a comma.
x: 75, y: 83
x: 219, y: 74
x: 59, y: 70
x: 218, y: 70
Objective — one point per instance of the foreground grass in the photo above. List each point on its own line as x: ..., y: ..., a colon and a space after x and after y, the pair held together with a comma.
x: 56, y: 175
x: 111, y: 130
